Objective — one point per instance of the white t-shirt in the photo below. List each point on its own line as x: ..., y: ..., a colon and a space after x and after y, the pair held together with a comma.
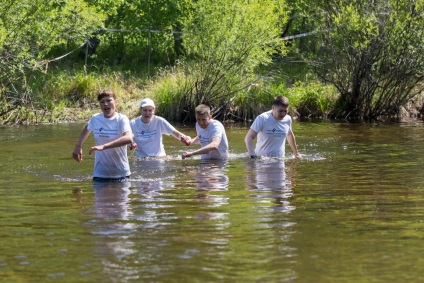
x: 112, y: 162
x: 214, y: 129
x: 149, y: 136
x: 272, y: 133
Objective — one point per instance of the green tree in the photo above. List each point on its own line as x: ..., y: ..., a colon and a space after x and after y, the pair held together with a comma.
x: 140, y: 32
x: 372, y: 52
x: 225, y: 41
x: 30, y: 29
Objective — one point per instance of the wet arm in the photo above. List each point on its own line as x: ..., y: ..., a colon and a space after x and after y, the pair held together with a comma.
x: 248, y: 140
x: 180, y: 136
x: 127, y: 138
x: 213, y: 145
x: 77, y: 153
x: 194, y: 140
x: 292, y: 142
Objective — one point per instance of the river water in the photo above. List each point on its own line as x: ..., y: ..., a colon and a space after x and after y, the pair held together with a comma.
x: 351, y: 210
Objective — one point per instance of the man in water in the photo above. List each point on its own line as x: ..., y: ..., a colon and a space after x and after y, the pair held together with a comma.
x: 148, y: 130
x: 112, y: 132
x: 272, y: 128
x: 210, y: 134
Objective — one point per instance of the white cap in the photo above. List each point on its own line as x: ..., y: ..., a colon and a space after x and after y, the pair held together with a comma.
x: 147, y: 102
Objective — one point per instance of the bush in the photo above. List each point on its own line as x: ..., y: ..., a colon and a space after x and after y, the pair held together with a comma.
x: 167, y: 89
x: 313, y: 100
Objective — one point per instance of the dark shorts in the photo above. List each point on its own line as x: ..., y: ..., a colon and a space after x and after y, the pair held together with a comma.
x: 121, y: 179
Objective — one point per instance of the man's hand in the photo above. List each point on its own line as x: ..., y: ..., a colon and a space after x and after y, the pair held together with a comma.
x: 94, y: 148
x: 77, y: 154
x: 186, y: 154
x: 186, y: 140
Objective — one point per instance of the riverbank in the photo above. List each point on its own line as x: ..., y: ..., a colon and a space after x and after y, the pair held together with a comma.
x: 70, y: 96
x: 412, y: 111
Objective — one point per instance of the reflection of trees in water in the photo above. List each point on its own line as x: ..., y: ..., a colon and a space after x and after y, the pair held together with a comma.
x: 271, y: 180
x: 210, y: 201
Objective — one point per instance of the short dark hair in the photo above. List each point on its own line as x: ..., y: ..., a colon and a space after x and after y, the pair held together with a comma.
x: 281, y: 101
x: 106, y: 93
x: 203, y: 109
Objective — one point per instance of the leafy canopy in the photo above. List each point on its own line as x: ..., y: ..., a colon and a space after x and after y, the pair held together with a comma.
x: 30, y: 29
x: 372, y: 52
x: 226, y: 41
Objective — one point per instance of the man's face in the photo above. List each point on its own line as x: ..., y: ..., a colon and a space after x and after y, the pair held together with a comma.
x: 108, y: 106
x: 203, y: 120
x: 279, y: 112
x: 147, y: 113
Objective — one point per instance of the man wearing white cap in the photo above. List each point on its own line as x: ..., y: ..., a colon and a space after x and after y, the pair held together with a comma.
x: 148, y: 130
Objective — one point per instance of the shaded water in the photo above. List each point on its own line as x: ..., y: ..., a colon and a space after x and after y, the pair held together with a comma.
x: 351, y: 210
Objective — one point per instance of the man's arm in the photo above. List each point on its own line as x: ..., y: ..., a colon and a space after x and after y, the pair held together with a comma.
x: 213, y: 145
x: 127, y: 138
x: 292, y: 142
x: 77, y: 153
x: 248, y: 140
x: 180, y: 136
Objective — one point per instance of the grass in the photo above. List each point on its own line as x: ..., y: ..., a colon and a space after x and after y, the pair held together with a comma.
x: 167, y: 89
x: 67, y: 92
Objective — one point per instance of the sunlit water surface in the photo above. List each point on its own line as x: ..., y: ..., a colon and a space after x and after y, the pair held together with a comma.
x: 351, y: 210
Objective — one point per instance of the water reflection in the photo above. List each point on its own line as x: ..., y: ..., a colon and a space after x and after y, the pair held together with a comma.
x: 268, y: 180
x: 211, y: 175
x: 138, y: 229
x: 210, y: 178
x: 151, y: 169
x: 358, y: 211
x: 152, y: 175
x: 111, y: 200
x: 113, y: 212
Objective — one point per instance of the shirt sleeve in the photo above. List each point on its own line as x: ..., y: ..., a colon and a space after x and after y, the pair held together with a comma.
x: 166, y: 127
x: 217, y: 131
x: 125, y: 125
x: 90, y: 123
x: 258, y: 124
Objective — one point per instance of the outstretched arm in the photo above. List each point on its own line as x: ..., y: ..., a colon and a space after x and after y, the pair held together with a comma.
x: 127, y: 138
x: 213, y: 145
x: 183, y: 138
